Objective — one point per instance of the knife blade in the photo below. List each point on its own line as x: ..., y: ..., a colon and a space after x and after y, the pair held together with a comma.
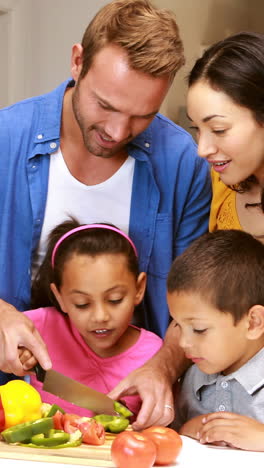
x: 70, y: 390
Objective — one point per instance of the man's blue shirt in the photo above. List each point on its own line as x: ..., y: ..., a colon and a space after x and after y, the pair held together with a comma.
x: 169, y: 206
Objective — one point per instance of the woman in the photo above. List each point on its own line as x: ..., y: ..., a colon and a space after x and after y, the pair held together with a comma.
x: 226, y: 105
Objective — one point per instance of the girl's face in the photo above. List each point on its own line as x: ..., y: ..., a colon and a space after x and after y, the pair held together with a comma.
x: 99, y: 295
x: 228, y: 135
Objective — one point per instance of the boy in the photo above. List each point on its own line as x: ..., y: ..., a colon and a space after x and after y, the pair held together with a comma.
x: 216, y: 298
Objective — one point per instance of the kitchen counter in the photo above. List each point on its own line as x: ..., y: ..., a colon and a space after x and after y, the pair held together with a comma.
x: 193, y: 455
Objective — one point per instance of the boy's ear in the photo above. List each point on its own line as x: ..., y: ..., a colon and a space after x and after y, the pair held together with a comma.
x: 57, y: 294
x: 76, y: 61
x: 141, y: 287
x: 255, y: 327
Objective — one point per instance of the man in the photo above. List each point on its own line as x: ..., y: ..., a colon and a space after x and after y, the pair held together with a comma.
x: 96, y: 149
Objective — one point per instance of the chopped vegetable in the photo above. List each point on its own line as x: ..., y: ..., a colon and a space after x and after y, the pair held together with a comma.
x: 25, y: 431
x: 53, y: 409
x: 122, y: 409
x: 52, y: 438
x: 45, y: 407
x: 20, y: 402
x: 112, y: 423
x: 92, y: 431
x: 75, y: 439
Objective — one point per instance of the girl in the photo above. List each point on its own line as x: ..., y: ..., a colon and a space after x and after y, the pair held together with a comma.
x: 84, y: 297
x: 226, y: 105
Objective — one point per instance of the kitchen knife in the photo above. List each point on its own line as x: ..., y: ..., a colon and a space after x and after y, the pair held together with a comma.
x: 70, y: 390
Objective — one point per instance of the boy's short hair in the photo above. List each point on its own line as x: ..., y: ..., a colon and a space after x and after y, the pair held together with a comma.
x: 149, y: 35
x: 226, y: 268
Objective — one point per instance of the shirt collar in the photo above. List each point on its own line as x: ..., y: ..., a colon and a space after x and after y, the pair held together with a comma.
x: 250, y: 375
x: 50, y: 114
x: 48, y: 129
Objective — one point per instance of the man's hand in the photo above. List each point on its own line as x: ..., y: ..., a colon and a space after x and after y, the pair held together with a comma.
x: 153, y: 382
x: 16, y: 331
x: 234, y: 430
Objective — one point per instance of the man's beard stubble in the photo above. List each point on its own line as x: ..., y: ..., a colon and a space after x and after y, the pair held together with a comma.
x: 94, y: 149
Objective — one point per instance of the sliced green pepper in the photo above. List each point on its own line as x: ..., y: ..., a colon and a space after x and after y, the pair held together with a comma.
x: 118, y: 425
x: 25, y: 431
x: 52, y: 438
x: 54, y: 408
x: 75, y: 439
x: 104, y: 419
x: 122, y: 409
x: 112, y: 423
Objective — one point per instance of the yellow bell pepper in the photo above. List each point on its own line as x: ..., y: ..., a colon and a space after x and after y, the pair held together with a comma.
x: 20, y: 401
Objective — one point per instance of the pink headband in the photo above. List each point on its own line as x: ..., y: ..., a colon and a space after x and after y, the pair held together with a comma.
x: 84, y: 227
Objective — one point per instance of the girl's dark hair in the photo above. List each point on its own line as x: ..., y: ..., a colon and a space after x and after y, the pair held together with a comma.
x: 225, y: 268
x: 235, y: 66
x: 92, y: 242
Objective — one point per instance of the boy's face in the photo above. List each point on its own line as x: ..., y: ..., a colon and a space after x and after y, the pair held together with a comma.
x: 209, y: 337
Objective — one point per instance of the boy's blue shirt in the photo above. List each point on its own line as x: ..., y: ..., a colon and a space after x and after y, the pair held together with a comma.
x: 169, y: 207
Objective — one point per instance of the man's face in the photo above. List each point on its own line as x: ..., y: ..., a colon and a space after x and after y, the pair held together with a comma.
x: 113, y: 103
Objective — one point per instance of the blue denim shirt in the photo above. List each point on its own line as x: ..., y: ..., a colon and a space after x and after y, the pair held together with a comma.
x: 169, y: 208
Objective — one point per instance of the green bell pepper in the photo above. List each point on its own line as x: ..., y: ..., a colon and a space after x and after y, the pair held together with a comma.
x: 25, y: 431
x: 122, y: 409
x: 112, y: 423
x: 52, y: 438
x: 54, y: 408
x: 75, y: 439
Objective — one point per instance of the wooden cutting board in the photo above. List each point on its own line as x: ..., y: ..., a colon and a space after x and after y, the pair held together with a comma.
x: 83, y: 455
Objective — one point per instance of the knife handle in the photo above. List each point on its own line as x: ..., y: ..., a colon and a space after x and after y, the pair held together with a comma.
x: 40, y: 372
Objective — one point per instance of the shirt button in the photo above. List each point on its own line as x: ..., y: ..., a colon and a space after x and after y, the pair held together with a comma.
x: 221, y: 408
x: 53, y: 145
x: 40, y: 136
x: 147, y: 145
x: 224, y: 384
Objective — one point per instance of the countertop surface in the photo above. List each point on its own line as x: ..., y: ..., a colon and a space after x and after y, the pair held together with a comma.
x: 193, y: 455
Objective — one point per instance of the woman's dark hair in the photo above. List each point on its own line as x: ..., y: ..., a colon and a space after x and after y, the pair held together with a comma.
x: 91, y: 242
x: 225, y: 268
x: 235, y: 66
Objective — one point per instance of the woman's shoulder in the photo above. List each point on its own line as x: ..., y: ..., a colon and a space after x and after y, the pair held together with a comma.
x: 220, y: 190
x: 223, y: 213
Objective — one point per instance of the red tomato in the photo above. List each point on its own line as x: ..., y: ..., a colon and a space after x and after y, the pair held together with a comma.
x: 93, y: 432
x: 2, y: 416
x: 168, y: 443
x: 132, y: 449
x: 70, y: 423
x: 57, y: 420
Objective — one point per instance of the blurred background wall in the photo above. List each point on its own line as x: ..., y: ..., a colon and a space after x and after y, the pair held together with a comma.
x: 36, y: 37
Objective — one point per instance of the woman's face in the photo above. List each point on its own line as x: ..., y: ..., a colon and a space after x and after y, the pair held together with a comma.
x: 228, y: 135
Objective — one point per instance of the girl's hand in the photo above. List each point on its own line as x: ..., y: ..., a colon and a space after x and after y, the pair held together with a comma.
x: 233, y: 429
x: 27, y: 358
x: 193, y: 427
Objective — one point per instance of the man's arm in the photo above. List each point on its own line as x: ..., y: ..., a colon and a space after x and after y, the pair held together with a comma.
x: 17, y: 330
x: 154, y: 382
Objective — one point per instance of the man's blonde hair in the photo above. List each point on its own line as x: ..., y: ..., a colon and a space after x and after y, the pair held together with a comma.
x: 149, y: 35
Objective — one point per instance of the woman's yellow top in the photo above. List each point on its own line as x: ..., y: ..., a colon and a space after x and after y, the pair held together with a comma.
x: 223, y: 214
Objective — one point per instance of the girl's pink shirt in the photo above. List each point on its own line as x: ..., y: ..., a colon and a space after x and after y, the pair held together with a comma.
x: 71, y: 356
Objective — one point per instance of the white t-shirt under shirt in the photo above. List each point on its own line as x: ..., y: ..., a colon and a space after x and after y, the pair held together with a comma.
x: 108, y: 202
